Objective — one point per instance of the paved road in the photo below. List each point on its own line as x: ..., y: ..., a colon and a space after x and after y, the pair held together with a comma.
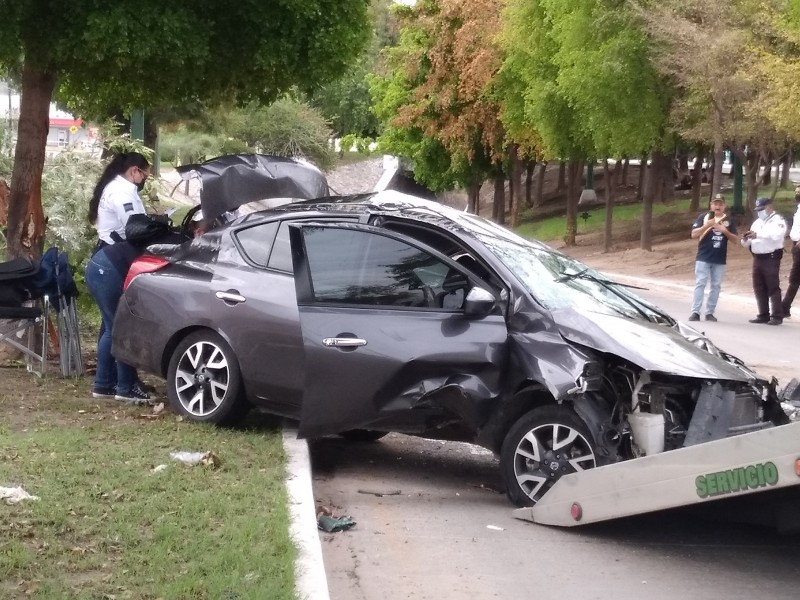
x: 442, y: 530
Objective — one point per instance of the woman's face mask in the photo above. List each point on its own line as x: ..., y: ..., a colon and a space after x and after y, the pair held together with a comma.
x: 762, y: 214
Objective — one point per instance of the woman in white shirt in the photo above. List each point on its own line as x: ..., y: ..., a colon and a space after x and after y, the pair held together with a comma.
x: 116, y: 196
x: 114, y: 200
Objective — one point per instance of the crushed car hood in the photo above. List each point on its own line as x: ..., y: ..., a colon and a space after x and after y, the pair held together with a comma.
x: 651, y: 346
x: 233, y: 180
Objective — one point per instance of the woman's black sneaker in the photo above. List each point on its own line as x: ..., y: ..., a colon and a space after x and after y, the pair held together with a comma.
x: 136, y: 396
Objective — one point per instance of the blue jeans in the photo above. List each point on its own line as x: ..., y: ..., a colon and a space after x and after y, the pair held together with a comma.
x: 707, y: 273
x: 105, y: 286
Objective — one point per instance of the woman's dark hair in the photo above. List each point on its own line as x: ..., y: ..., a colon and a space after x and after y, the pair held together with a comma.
x: 118, y: 165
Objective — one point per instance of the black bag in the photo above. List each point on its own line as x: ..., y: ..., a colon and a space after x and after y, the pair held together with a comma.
x: 142, y: 230
x: 16, y: 281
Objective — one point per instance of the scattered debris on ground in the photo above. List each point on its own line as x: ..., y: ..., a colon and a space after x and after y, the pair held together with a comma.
x: 196, y: 458
x: 15, y: 495
x: 381, y: 494
x: 334, y: 524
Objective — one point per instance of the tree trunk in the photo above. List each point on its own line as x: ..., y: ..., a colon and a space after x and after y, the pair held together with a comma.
x: 473, y: 189
x: 652, y: 189
x: 768, y: 164
x: 716, y: 174
x: 787, y: 164
x: 515, y: 188
x: 666, y: 193
x: 642, y: 179
x: 624, y: 180
x: 610, y: 177
x: 562, y: 174
x: 697, y: 180
x: 574, y: 180
x: 537, y: 194
x: 530, y: 166
x: 751, y: 161
x: 499, y: 208
x: 26, y: 224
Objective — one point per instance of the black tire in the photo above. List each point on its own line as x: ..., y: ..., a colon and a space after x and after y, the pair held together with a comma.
x: 204, y: 382
x: 540, y: 447
x: 362, y: 435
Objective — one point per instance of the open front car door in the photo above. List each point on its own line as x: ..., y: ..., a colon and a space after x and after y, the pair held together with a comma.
x: 396, y: 335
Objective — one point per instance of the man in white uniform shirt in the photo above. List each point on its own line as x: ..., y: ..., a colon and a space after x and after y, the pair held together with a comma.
x: 794, y: 274
x: 765, y: 241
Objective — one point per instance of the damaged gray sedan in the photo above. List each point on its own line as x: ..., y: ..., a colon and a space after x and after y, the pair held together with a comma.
x: 386, y: 313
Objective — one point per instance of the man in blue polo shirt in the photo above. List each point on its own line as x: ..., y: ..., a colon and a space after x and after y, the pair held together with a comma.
x: 713, y: 229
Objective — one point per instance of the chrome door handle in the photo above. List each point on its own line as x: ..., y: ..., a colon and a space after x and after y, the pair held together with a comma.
x: 230, y: 296
x: 343, y: 342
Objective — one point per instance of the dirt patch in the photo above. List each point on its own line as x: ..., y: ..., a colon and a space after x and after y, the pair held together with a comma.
x: 28, y: 401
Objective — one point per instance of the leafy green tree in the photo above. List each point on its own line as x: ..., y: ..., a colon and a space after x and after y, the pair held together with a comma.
x: 406, y: 66
x: 436, y: 102
x: 286, y: 127
x: 728, y: 61
x: 181, y: 145
x: 577, y: 79
x: 346, y: 102
x: 155, y: 53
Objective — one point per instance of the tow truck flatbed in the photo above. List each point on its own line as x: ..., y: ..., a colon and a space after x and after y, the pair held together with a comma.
x: 753, y: 463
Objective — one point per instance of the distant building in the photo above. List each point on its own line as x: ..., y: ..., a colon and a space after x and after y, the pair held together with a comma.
x: 65, y: 130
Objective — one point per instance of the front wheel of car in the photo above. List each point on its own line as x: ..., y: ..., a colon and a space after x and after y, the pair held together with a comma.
x: 204, y: 382
x: 541, y: 447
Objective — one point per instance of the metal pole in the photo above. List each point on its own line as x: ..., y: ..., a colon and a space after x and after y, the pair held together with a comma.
x: 738, y: 208
x: 137, y: 125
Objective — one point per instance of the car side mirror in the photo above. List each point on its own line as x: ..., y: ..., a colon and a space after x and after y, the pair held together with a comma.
x: 478, y: 302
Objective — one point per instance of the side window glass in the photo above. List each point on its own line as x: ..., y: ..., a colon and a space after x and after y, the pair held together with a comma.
x: 256, y: 242
x: 281, y: 257
x: 364, y: 268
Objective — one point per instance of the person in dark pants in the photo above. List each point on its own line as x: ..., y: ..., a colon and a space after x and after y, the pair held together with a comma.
x: 713, y: 229
x: 765, y: 241
x: 105, y: 276
x: 104, y: 281
x: 794, y: 273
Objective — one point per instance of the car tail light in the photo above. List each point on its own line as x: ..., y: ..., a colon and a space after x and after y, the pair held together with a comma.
x: 144, y: 264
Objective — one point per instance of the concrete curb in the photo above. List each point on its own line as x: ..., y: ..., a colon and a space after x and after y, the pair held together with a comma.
x: 311, y: 583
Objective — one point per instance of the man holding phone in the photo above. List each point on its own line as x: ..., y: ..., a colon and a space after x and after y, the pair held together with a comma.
x: 714, y: 229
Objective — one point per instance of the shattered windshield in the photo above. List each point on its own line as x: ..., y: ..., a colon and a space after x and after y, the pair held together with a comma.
x: 558, y: 281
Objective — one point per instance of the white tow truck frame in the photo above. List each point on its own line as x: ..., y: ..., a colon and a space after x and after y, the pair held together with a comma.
x: 762, y: 462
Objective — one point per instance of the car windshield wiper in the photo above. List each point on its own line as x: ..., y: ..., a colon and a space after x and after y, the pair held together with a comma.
x: 584, y: 274
x: 611, y: 286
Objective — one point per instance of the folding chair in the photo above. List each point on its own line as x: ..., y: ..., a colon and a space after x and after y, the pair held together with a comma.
x: 18, y: 314
x: 54, y: 280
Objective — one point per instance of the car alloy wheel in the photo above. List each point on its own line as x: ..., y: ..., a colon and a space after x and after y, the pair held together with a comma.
x: 542, y: 446
x: 204, y: 381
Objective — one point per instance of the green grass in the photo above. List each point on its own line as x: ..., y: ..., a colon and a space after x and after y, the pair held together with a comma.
x: 107, y: 526
x: 554, y: 228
